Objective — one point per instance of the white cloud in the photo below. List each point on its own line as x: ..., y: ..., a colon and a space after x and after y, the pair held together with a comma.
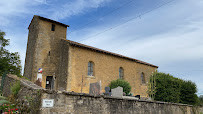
x: 182, y: 37
x: 9, y: 9
x: 76, y: 7
x: 168, y: 36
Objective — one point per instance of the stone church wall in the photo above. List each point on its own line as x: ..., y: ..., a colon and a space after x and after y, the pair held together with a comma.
x: 80, y: 103
x: 106, y: 69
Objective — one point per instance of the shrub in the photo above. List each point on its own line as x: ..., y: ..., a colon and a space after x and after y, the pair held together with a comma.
x: 15, y: 88
x: 122, y: 83
x: 6, y: 106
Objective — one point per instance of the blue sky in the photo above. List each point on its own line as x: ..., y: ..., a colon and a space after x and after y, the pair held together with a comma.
x: 170, y: 36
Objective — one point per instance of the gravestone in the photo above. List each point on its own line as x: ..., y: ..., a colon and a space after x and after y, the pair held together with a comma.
x: 95, y: 88
x: 107, y: 91
x: 117, y: 92
x: 137, y: 96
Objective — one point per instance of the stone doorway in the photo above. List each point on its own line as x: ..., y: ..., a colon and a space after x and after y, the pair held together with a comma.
x: 50, y: 82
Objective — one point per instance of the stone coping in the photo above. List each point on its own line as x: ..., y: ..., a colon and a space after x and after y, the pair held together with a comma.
x: 31, y: 85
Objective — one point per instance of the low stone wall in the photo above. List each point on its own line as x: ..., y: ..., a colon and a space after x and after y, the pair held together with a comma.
x: 77, y: 103
x: 28, y: 98
x: 201, y: 110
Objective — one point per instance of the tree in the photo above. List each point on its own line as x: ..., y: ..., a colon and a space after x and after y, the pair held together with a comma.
x: 165, y: 87
x: 122, y: 83
x: 201, y: 100
x: 187, y: 93
x: 9, y: 61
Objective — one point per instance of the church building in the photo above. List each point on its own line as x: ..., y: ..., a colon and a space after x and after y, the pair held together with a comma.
x: 62, y: 64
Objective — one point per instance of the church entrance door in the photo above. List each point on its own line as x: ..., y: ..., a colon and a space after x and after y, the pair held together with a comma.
x: 49, y: 82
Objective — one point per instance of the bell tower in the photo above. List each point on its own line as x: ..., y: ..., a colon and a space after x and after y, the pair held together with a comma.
x: 42, y: 54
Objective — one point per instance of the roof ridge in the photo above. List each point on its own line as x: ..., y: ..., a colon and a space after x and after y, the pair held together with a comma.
x: 47, y: 19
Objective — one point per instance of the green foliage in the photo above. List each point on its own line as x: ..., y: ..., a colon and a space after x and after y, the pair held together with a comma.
x: 167, y: 88
x: 6, y: 106
x: 170, y: 89
x: 30, y: 103
x: 15, y: 88
x: 152, y: 87
x: 188, y: 90
x: 2, y: 97
x: 122, y: 83
x: 8, y: 61
x: 3, y: 100
x: 201, y: 100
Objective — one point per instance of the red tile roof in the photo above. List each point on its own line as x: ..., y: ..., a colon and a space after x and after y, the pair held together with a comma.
x: 107, y: 52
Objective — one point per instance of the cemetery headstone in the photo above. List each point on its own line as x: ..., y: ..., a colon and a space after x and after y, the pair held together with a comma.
x: 137, y: 96
x: 95, y: 88
x: 117, y: 92
x: 107, y: 91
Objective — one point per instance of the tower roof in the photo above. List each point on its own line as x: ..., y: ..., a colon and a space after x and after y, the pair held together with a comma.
x: 49, y: 20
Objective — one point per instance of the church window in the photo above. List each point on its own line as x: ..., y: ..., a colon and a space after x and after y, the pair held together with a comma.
x: 52, y: 27
x: 143, y: 78
x: 121, y: 73
x: 90, y: 68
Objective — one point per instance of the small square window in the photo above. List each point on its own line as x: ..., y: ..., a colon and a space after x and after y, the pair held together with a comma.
x: 53, y: 27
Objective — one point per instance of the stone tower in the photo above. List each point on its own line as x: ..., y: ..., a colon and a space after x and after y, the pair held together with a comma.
x: 43, y: 51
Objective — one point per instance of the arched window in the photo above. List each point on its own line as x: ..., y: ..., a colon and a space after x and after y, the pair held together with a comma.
x: 143, y: 78
x: 90, y: 68
x: 121, y: 73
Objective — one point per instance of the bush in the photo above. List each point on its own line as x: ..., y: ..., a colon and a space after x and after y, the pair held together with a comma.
x: 6, y: 106
x: 122, y: 83
x: 15, y: 88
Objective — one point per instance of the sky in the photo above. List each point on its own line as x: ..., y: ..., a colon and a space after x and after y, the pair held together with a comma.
x: 166, y: 33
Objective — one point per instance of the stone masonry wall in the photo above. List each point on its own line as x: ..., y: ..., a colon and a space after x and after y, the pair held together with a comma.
x: 31, y: 46
x: 28, y: 97
x: 43, y: 51
x: 106, y: 69
x: 80, y: 103
x: 75, y: 103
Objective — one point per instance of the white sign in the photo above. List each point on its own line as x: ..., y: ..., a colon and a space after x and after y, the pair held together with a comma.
x: 47, y: 103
